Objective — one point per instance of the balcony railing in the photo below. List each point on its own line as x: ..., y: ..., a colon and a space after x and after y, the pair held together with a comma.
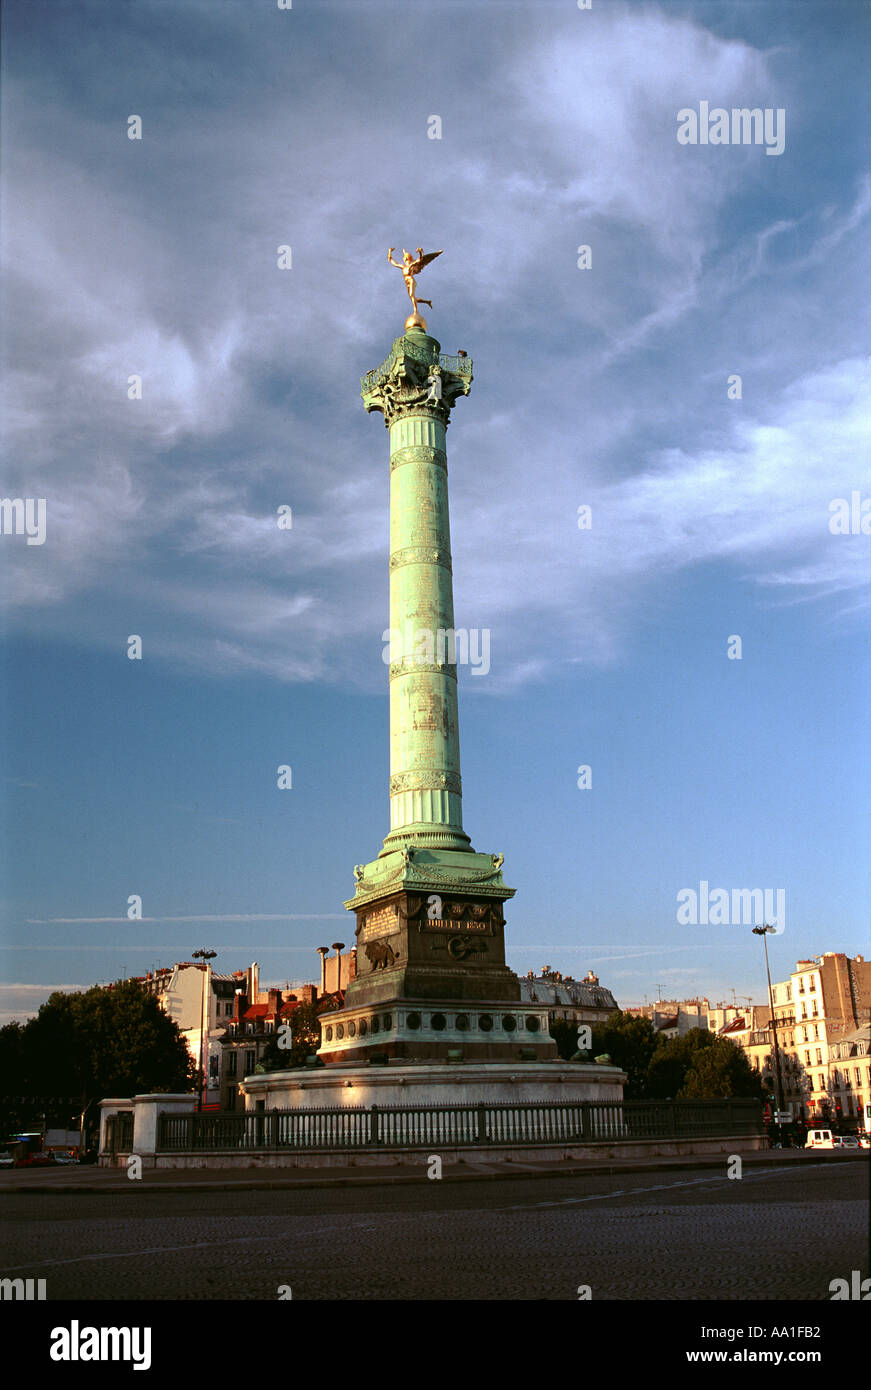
x: 461, y: 366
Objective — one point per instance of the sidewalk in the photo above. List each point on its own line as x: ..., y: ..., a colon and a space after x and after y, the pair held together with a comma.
x: 113, y: 1180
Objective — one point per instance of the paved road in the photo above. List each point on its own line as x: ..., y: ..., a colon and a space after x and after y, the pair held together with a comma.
x: 777, y: 1233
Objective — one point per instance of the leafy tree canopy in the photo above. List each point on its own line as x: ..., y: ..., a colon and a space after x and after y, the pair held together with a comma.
x: 722, y: 1069
x: 671, y: 1061
x: 94, y: 1044
x: 630, y: 1042
x: 697, y: 1065
x: 305, y: 1032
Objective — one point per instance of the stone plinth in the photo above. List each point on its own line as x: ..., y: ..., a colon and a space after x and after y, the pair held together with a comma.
x: 489, y: 1083
x: 413, y: 1030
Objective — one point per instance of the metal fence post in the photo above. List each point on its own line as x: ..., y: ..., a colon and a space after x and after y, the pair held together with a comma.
x: 482, y: 1124
x: 374, y: 1126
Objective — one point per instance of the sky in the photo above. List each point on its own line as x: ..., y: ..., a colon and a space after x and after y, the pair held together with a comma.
x: 608, y: 385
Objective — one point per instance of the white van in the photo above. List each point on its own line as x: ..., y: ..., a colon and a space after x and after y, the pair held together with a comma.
x: 820, y: 1139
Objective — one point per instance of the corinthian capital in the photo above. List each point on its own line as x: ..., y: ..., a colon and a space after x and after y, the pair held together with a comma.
x: 416, y: 379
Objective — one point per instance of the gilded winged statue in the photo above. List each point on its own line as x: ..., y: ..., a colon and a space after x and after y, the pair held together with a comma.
x: 411, y: 266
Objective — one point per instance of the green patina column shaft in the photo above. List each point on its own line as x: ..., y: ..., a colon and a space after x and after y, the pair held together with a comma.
x: 415, y: 389
x: 431, y: 981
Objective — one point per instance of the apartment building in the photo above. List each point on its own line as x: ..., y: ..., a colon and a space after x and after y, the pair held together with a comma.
x: 819, y: 1012
x: 579, y: 1001
x: 672, y: 1018
x: 201, y: 1001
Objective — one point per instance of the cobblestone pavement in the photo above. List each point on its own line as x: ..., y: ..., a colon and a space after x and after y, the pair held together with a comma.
x: 779, y: 1233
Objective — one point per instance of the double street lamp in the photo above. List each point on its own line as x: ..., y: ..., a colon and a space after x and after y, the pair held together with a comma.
x: 763, y: 932
x: 205, y: 956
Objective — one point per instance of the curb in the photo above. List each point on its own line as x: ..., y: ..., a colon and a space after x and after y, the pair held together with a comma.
x: 409, y: 1179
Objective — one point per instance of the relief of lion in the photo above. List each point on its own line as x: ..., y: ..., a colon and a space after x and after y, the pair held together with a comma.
x: 381, y: 954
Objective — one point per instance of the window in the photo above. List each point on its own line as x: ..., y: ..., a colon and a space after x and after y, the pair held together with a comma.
x: 819, y: 1056
x: 231, y: 1063
x: 816, y: 1009
x: 813, y: 983
x: 231, y: 1099
x: 249, y: 1061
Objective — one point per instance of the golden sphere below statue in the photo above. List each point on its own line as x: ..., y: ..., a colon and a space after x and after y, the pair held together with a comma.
x: 415, y: 321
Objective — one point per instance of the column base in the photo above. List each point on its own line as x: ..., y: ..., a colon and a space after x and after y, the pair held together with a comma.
x: 426, y: 837
x: 409, y: 1030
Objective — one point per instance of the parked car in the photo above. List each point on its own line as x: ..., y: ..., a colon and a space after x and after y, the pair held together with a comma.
x: 64, y: 1158
x: 820, y: 1139
x: 6, y: 1160
x: 35, y: 1161
x: 865, y: 1141
x: 846, y: 1141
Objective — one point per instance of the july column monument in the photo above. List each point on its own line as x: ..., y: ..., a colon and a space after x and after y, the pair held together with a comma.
x: 432, y: 982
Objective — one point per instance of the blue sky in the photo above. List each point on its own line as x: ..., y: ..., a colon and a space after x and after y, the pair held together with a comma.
x: 604, y: 387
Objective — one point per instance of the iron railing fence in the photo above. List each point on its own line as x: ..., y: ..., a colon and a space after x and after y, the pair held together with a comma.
x: 418, y: 1126
x: 119, y: 1132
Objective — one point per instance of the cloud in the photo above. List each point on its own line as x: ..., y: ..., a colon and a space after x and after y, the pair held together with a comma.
x: 161, y: 512
x: 19, y: 1002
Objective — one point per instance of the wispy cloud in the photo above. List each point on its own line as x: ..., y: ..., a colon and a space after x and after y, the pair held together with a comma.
x: 165, y: 508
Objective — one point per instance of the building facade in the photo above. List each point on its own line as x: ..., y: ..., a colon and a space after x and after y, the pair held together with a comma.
x: 850, y: 1076
x: 201, y: 1001
x: 672, y: 1018
x: 579, y: 1001
x: 819, y: 1013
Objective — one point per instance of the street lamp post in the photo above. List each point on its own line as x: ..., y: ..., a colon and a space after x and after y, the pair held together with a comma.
x: 763, y: 932
x: 205, y: 956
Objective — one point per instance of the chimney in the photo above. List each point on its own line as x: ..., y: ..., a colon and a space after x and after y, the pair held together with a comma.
x: 338, y: 947
x: 323, y: 952
x: 274, y: 1001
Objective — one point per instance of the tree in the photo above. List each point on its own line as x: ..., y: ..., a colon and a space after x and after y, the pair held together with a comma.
x: 101, y: 1042
x: 305, y: 1032
x: 19, y: 1107
x: 630, y: 1042
x: 672, y: 1060
x: 723, y: 1069
x: 565, y: 1034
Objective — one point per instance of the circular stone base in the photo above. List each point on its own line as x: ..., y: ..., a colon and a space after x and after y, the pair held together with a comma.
x: 468, y: 1083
